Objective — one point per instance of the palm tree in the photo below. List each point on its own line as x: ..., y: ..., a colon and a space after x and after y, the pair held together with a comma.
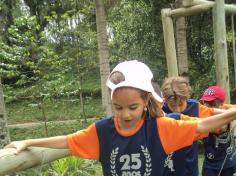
x: 103, y: 54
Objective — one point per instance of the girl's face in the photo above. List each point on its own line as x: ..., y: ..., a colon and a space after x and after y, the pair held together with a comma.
x: 128, y: 105
x: 178, y: 108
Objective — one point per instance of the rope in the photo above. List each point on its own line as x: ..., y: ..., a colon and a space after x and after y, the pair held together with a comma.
x: 223, y: 164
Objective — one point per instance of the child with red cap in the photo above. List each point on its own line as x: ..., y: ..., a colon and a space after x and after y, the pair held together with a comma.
x: 219, y: 149
x: 213, y: 96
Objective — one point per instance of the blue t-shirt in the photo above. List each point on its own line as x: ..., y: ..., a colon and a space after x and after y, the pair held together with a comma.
x: 183, y: 162
x: 219, y: 151
x: 139, y: 154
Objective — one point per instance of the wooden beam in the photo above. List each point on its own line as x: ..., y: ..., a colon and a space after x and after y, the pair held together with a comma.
x: 229, y: 8
x: 220, y: 45
x: 9, y: 162
x: 169, y: 41
x: 233, y: 46
x: 190, y: 10
x: 4, y: 131
x: 199, y: 8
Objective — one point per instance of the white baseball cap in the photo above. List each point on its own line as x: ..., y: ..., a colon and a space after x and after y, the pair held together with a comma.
x: 137, y: 75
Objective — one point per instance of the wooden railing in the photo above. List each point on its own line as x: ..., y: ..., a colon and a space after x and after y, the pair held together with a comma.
x: 34, y: 156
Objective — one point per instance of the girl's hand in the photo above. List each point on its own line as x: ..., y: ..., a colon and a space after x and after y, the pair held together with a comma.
x: 18, y: 145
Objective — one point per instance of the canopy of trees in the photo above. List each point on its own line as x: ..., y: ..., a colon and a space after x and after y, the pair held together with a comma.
x: 49, y: 48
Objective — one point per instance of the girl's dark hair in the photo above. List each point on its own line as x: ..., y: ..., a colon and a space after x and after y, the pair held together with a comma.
x: 216, y: 103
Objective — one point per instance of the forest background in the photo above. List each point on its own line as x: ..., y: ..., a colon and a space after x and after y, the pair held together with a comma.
x: 50, y: 64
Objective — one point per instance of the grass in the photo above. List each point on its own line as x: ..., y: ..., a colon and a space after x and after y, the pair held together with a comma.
x: 37, y: 132
x: 59, y: 109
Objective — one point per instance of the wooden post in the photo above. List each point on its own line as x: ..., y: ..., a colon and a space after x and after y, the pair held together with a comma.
x: 4, y: 132
x: 10, y: 162
x: 181, y: 42
x: 169, y: 41
x: 233, y: 46
x: 220, y: 45
x: 233, y: 123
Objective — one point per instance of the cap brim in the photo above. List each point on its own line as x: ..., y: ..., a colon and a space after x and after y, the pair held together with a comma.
x: 208, y: 98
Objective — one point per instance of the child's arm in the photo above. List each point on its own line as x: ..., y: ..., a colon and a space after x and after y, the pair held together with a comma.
x: 209, y: 124
x: 59, y: 142
x: 218, y: 111
x: 83, y: 143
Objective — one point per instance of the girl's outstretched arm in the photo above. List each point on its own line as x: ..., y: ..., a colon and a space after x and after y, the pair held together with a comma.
x: 211, y: 123
x: 59, y: 142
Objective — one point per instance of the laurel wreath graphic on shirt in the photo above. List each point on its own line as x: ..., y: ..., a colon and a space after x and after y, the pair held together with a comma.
x: 113, y: 161
x: 146, y: 153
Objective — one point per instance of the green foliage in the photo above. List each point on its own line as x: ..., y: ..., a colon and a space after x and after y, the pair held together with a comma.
x: 69, y: 166
x: 204, y: 80
x: 133, y: 34
x: 21, y: 59
x: 200, y: 43
x: 131, y: 30
x: 202, y: 69
x: 74, y: 166
x: 33, y: 67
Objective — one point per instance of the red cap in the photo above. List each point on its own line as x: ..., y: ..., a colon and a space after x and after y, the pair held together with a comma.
x: 212, y: 93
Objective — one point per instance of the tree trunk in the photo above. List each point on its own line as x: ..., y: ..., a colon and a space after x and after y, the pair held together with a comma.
x: 181, y: 43
x: 4, y: 133
x: 103, y: 54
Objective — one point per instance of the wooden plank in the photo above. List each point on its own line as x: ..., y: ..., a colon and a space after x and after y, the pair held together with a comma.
x: 220, y: 45
x: 190, y: 10
x: 5, y: 136
x: 229, y: 8
x: 169, y: 41
x: 9, y: 162
x: 233, y: 46
x: 233, y: 123
x: 199, y: 6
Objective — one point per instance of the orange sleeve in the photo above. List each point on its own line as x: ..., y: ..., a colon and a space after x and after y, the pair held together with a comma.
x: 84, y: 143
x: 205, y: 111
x: 176, y: 134
x: 186, y: 117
